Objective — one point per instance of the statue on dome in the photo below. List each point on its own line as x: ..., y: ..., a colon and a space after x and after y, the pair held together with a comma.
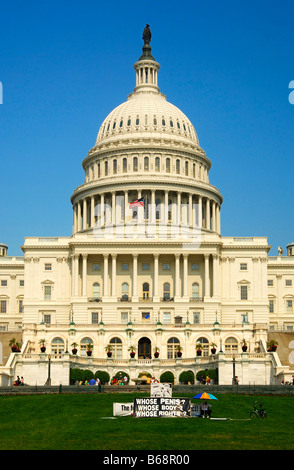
x: 147, y: 34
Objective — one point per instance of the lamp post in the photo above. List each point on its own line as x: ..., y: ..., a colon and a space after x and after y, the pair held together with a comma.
x: 48, y: 381
x: 234, y: 370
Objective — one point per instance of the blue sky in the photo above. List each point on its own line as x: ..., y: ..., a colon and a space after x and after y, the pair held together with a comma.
x: 64, y: 65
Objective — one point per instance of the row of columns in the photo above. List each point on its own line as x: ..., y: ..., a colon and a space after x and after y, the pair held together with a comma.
x: 180, y: 284
x: 104, y: 210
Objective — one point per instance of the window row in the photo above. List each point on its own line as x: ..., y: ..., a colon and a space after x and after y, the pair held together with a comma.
x: 4, y: 306
x: 4, y: 283
x: 288, y: 282
x: 160, y: 164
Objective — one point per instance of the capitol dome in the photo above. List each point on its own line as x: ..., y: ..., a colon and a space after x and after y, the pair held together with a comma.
x: 147, y: 114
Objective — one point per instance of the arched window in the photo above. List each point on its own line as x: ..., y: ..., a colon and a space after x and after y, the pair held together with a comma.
x: 135, y: 164
x: 186, y: 168
x: 231, y: 345
x: 106, y: 168
x: 167, y: 165
x: 125, y: 165
x: 116, y: 345
x: 178, y: 167
x: 83, y: 345
x: 205, y: 346
x: 146, y: 163
x: 96, y: 290
x: 157, y: 164
x: 114, y: 167
x: 172, y: 348
x: 195, y: 291
x: 169, y: 209
x: 57, y: 346
x: 125, y: 291
x: 166, y: 291
x: 158, y: 208
x: 146, y: 291
x: 146, y: 208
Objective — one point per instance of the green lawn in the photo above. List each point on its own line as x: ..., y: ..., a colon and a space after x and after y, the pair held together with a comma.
x: 76, y: 422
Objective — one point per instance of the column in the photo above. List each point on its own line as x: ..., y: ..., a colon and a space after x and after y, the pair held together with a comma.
x: 185, y: 275
x: 190, y: 210
x: 75, y: 218
x: 177, y: 275
x: 113, y: 275
x: 213, y: 216
x: 72, y: 275
x: 200, y: 211
x: 155, y: 276
x: 179, y: 208
x: 113, y: 208
x: 92, y: 211
x: 79, y: 216
x: 208, y: 214
x: 85, y: 213
x: 218, y: 223
x: 126, y: 194
x: 102, y: 210
x: 135, y: 276
x: 153, y: 208
x: 206, y: 268
x: 166, y: 207
x: 76, y: 275
x: 84, y: 285
x: 105, y: 276
x: 215, y: 275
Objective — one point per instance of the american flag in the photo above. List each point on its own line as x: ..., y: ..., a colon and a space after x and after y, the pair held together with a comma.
x: 137, y: 202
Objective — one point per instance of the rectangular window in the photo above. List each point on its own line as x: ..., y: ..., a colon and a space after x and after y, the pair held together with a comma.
x: 244, y: 317
x: 3, y: 306
x: 21, y: 283
x: 196, y: 317
x: 124, y: 317
x: 145, y: 266
x: 166, y: 266
x: 195, y: 267
x: 47, y: 318
x: 96, y: 267
x: 20, y: 306
x: 270, y: 283
x: 243, y: 266
x: 288, y: 282
x: 125, y: 266
x: 3, y: 283
x: 289, y: 306
x: 166, y: 317
x: 145, y: 316
x: 94, y: 318
x: 47, y: 292
x: 244, y: 293
x: 271, y: 306
x: 48, y: 267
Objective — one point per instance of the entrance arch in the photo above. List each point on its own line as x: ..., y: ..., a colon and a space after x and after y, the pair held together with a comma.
x: 144, y: 348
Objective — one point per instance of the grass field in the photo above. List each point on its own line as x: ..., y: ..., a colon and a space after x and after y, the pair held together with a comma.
x: 77, y: 422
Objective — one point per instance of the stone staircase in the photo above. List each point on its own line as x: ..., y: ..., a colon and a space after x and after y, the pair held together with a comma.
x: 285, y: 347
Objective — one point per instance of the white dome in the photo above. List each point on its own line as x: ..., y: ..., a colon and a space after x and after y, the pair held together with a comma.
x: 147, y: 114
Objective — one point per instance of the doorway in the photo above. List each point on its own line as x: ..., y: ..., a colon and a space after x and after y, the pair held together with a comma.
x: 144, y: 348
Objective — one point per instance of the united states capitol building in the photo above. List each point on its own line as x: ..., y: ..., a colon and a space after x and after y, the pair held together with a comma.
x: 146, y: 266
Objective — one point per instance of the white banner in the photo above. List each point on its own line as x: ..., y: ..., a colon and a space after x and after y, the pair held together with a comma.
x: 123, y: 409
x: 161, y: 390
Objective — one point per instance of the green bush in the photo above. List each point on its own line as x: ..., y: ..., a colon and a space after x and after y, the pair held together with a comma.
x: 167, y: 377
x: 121, y: 374
x: 88, y: 374
x: 187, y: 376
x: 213, y: 374
x: 102, y: 376
x: 76, y: 375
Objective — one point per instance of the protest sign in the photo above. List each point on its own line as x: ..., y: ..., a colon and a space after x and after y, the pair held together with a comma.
x: 159, y: 407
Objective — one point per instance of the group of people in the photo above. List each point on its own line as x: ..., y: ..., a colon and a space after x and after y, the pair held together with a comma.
x: 18, y: 381
x: 119, y: 380
x: 205, y: 380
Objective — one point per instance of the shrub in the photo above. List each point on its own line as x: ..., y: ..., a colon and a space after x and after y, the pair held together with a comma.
x: 76, y: 375
x: 213, y: 374
x: 88, y: 374
x: 121, y: 374
x: 167, y: 377
x: 186, y: 376
x: 102, y: 376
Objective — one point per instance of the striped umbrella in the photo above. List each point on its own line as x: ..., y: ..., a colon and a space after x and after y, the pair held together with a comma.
x: 205, y: 396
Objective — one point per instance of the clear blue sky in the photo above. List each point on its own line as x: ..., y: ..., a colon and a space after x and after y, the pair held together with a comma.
x: 64, y: 65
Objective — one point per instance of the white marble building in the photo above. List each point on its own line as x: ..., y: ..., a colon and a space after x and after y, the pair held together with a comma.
x: 154, y: 276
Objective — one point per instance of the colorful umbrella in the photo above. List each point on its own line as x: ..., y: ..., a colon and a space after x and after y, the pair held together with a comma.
x: 205, y: 396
